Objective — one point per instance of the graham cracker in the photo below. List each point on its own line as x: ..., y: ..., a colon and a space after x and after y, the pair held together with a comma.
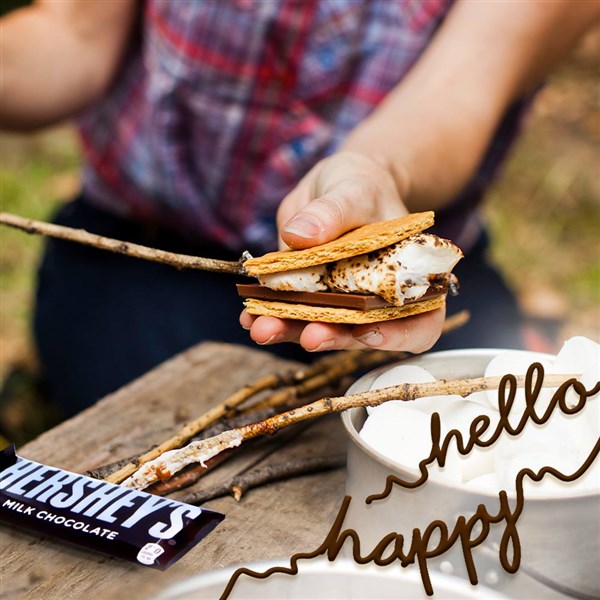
x: 358, y: 241
x: 325, y: 314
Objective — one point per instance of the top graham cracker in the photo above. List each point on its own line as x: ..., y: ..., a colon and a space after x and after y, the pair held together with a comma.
x: 367, y: 238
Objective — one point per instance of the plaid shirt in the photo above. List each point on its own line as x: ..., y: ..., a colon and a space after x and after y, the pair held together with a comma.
x: 224, y: 105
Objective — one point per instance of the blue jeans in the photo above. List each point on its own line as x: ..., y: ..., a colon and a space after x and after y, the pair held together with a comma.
x: 101, y: 319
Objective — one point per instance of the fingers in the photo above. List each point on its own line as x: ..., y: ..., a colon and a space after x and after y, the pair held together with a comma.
x: 297, y: 199
x: 325, y: 219
x: 341, y: 193
x: 314, y: 337
x: 412, y: 334
x: 246, y: 319
x: 270, y: 330
x: 319, y: 337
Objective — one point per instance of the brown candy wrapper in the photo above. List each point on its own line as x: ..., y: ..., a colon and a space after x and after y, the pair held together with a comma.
x: 98, y: 515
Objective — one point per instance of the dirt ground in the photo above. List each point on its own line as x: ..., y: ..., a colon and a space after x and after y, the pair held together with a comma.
x: 544, y: 215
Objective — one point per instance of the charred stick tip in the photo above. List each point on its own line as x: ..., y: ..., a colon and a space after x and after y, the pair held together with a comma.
x: 237, y: 492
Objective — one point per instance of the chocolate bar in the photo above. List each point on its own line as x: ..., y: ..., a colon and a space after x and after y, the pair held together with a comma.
x: 334, y: 299
x: 108, y: 518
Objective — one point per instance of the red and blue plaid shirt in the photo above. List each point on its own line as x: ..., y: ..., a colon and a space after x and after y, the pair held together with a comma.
x: 224, y: 105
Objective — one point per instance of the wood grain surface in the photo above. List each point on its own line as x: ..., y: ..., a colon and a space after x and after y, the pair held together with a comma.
x: 272, y: 522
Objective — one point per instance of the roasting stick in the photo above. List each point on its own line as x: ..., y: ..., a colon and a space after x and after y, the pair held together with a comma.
x: 257, y: 476
x: 299, y: 382
x: 173, y: 461
x: 81, y: 236
x: 269, y: 382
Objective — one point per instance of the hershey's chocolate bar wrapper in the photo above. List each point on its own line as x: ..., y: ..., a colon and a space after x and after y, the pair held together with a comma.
x: 102, y: 516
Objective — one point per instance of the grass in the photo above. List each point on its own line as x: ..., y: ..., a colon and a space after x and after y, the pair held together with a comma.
x: 37, y: 173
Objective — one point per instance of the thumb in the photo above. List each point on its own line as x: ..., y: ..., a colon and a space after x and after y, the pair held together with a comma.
x: 326, y: 218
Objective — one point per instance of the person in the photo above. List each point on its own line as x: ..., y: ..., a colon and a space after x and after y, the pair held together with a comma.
x: 219, y: 126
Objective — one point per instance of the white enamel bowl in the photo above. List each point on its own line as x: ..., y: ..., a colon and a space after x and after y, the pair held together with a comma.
x: 559, y: 535
x: 319, y: 579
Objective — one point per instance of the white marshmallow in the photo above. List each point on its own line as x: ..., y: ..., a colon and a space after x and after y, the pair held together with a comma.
x: 577, y: 355
x: 403, y: 435
x: 580, y: 355
x: 309, y: 279
x: 459, y: 414
x: 399, y: 433
x: 399, y: 375
x: 480, y: 398
x: 397, y: 273
x: 516, y: 362
x: 563, y: 443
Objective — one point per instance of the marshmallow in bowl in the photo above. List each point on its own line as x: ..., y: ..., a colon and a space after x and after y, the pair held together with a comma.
x: 403, y: 374
x: 400, y: 272
x: 459, y: 414
x: 516, y: 362
x: 563, y: 442
x: 455, y: 413
x: 411, y: 441
x: 580, y: 355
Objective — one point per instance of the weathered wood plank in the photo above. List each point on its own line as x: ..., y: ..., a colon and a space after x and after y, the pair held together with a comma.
x: 272, y: 522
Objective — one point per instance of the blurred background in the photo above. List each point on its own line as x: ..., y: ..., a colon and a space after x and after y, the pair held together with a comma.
x: 544, y: 216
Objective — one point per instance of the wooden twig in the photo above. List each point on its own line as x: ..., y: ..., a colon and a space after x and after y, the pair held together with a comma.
x: 455, y: 321
x: 301, y: 382
x: 105, y: 470
x: 192, y: 428
x: 320, y: 369
x: 238, y: 485
x: 165, y: 466
x: 223, y: 424
x: 190, y: 476
x: 81, y: 236
x: 344, y: 364
x: 249, y: 415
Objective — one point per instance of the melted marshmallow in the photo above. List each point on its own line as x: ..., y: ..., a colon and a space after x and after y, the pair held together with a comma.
x: 397, y: 273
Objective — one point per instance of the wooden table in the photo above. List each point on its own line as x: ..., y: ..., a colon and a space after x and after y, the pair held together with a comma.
x: 275, y: 521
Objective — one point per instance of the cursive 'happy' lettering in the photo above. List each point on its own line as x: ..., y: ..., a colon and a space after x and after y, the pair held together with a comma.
x: 471, y: 532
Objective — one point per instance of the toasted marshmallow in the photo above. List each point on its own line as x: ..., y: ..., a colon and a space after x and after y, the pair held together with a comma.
x: 309, y: 279
x: 397, y: 273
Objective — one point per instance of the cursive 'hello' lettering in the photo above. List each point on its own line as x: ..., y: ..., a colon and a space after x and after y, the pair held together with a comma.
x: 479, y: 426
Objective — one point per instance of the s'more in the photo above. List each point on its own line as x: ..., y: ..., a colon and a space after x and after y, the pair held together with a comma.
x: 378, y: 272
